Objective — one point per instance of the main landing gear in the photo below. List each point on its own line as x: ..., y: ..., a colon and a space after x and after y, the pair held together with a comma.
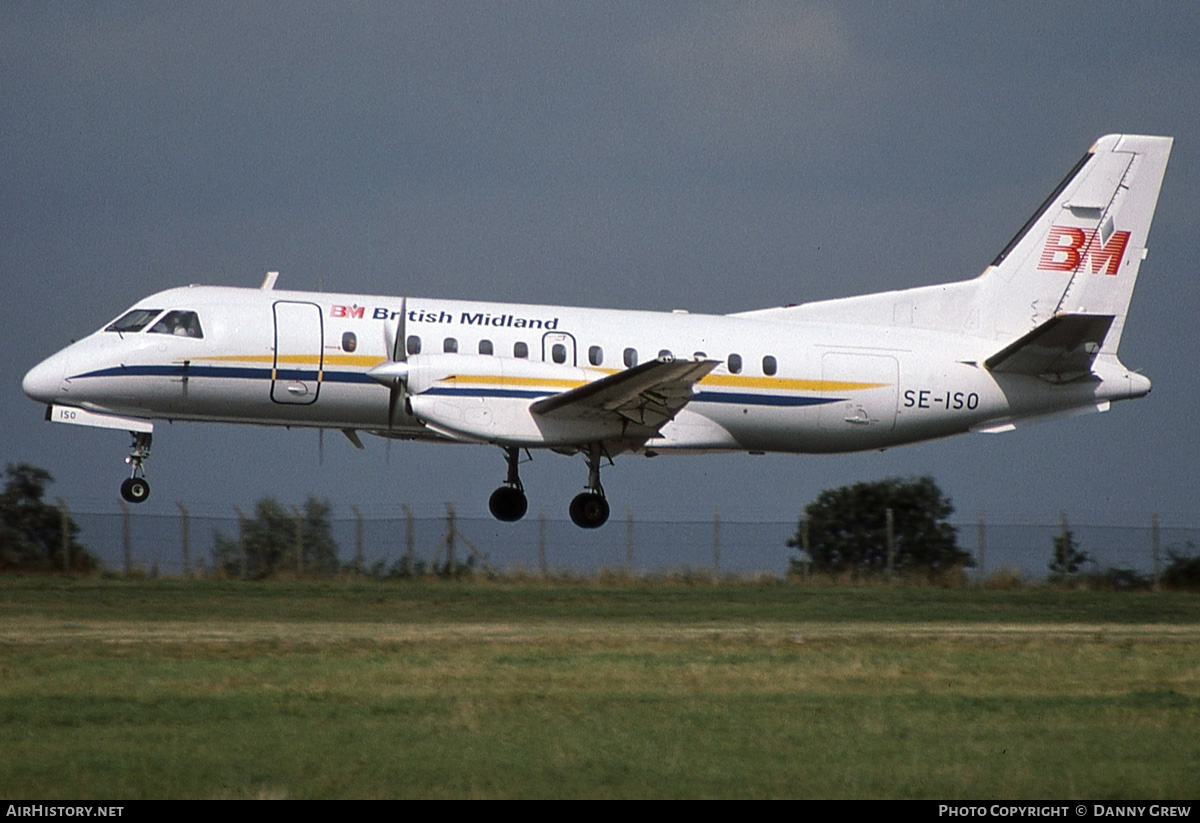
x: 137, y: 487
x: 589, y: 510
x: 508, y: 503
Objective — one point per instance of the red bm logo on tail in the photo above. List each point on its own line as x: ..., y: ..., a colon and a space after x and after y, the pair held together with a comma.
x: 1067, y: 248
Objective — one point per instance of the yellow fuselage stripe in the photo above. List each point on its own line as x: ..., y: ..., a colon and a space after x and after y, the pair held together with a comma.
x: 712, y: 380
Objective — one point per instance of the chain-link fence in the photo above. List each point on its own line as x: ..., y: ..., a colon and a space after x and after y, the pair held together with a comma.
x: 182, y: 544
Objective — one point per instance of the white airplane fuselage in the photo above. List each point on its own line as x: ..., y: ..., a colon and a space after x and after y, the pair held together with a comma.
x: 836, y: 388
x: 1034, y: 336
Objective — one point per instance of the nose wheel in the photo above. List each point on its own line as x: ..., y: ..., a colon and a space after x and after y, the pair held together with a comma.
x: 137, y: 487
x: 589, y: 510
x: 508, y: 503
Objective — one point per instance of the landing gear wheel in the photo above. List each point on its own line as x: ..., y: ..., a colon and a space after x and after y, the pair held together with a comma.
x: 589, y: 510
x: 508, y: 503
x: 135, y: 489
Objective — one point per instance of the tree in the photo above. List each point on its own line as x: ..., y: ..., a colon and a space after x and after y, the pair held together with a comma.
x: 1067, y: 558
x: 1183, y: 572
x: 847, y: 529
x: 31, y: 530
x: 277, y: 540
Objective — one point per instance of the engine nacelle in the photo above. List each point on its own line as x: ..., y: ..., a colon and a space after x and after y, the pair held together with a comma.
x: 486, y: 398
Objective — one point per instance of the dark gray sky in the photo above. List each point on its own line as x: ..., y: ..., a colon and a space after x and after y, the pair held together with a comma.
x: 716, y: 157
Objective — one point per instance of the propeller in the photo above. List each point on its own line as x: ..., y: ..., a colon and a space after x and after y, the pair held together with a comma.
x: 399, y: 355
x: 393, y: 372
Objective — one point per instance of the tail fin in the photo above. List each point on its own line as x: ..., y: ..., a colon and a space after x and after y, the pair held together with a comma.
x: 1080, y: 253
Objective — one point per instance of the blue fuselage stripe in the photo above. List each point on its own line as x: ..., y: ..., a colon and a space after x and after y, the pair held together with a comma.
x: 229, y: 372
x: 747, y: 399
x: 242, y: 373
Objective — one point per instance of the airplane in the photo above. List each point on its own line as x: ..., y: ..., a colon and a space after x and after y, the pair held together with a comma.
x: 1033, y: 337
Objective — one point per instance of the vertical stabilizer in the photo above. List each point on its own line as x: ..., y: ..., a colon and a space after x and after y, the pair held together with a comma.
x: 1080, y: 252
x: 1079, y: 255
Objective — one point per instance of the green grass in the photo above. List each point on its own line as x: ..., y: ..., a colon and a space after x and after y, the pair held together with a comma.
x: 128, y: 689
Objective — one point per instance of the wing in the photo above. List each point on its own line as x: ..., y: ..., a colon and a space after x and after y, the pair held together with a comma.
x: 647, y: 395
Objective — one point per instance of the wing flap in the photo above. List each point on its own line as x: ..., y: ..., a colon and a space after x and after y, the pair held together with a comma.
x: 648, y: 395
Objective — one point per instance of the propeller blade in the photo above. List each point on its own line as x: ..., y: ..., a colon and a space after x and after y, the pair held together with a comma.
x: 400, y: 345
x: 399, y: 355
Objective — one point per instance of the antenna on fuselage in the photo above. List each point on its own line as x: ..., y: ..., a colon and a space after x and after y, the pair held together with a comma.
x: 268, y: 283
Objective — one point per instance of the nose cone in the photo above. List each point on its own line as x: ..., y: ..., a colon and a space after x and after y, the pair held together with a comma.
x: 44, y: 380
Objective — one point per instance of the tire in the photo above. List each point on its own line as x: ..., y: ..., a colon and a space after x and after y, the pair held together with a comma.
x: 508, y: 504
x: 135, y: 489
x: 589, y: 511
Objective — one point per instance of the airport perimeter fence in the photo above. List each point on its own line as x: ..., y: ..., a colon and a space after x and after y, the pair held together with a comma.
x: 182, y: 545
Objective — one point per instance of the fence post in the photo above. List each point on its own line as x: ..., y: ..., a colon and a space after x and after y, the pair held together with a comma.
x: 185, y: 538
x: 629, y: 541
x: 982, y: 550
x: 242, y: 559
x: 716, y: 545
x: 126, y: 537
x: 451, y: 535
x: 358, y: 539
x: 1154, y: 551
x: 891, y: 545
x: 542, y: 542
x: 806, y: 546
x: 409, y: 546
x: 64, y: 518
x: 299, y: 540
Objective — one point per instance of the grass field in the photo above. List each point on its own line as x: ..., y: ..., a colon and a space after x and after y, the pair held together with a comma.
x: 130, y: 689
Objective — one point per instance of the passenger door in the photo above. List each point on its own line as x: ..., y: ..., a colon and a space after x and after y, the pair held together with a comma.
x: 298, y: 367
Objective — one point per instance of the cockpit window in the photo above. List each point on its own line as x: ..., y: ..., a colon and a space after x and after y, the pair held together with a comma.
x: 178, y: 323
x: 135, y: 320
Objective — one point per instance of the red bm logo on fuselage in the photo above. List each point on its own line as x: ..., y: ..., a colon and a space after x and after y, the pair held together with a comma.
x: 1067, y: 247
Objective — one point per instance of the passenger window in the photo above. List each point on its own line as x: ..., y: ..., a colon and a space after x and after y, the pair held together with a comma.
x: 485, y: 346
x: 630, y: 358
x: 132, y: 321
x: 595, y: 355
x: 769, y: 365
x: 178, y: 323
x: 734, y: 363
x: 450, y: 345
x: 559, y: 353
x: 349, y: 342
x: 413, y: 346
x: 520, y: 350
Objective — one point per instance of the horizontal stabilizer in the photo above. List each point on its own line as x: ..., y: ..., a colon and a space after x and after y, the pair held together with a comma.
x: 649, y: 394
x: 1061, y: 349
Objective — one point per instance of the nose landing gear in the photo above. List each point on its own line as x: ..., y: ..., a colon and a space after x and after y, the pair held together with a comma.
x: 137, y: 488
